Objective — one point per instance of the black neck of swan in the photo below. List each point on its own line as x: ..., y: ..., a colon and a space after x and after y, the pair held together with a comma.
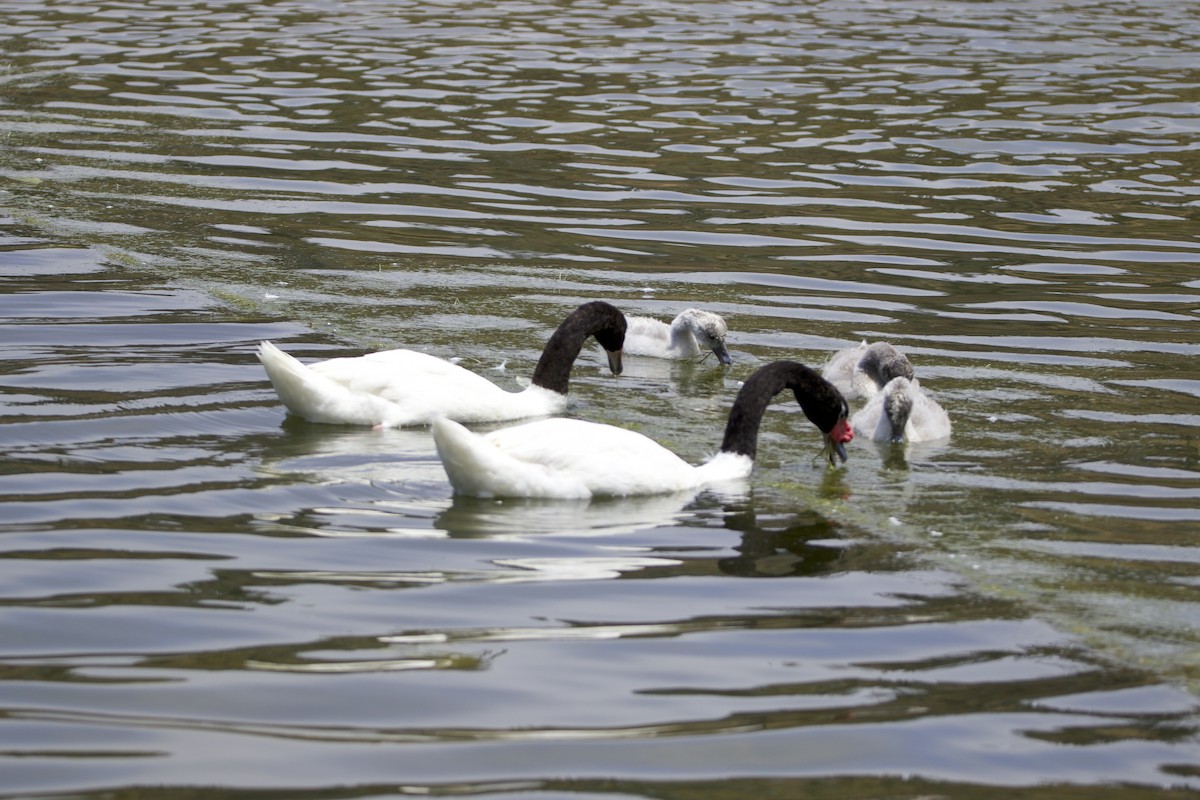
x: 820, y: 401
x: 596, y: 318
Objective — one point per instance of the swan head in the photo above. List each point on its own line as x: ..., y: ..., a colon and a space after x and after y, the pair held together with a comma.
x: 612, y: 338
x: 615, y: 364
x: 898, y: 404
x: 826, y: 408
x: 596, y: 318
x: 837, y: 436
x: 882, y: 363
x: 710, y: 331
x: 819, y: 399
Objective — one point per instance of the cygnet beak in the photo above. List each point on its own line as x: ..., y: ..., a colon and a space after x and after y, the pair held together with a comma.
x: 614, y: 360
x: 722, y: 354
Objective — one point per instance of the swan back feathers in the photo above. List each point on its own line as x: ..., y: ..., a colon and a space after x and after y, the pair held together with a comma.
x: 562, y: 458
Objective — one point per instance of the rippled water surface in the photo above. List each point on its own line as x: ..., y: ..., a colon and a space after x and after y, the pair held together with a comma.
x: 201, y: 596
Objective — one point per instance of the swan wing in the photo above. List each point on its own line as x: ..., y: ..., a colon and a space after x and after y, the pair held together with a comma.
x: 316, y: 397
x: 401, y: 375
x: 646, y: 336
x: 395, y: 388
x: 418, y: 387
x: 840, y: 370
x: 559, y: 458
x: 478, y: 468
x: 647, y: 327
x: 926, y: 422
x: 929, y: 421
x: 870, y: 421
x: 611, y: 461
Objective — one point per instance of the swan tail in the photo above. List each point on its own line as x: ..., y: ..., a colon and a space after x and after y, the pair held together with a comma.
x: 477, y: 467
x: 315, y: 397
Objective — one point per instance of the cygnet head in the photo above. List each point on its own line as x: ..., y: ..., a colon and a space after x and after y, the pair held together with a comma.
x: 710, y: 331
x: 898, y: 405
x: 882, y: 362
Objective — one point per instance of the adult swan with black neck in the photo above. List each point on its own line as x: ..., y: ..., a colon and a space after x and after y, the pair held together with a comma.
x: 569, y: 458
x: 397, y: 388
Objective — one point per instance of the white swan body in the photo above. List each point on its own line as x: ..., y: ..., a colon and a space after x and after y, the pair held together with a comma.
x: 859, y: 372
x: 571, y: 459
x: 901, y: 411
x: 692, y: 333
x: 397, y: 388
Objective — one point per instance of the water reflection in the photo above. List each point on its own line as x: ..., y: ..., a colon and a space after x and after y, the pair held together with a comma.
x: 805, y: 546
x: 472, y: 517
x: 899, y: 457
x: 390, y: 482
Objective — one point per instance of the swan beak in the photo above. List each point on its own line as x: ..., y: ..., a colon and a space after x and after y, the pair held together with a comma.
x: 614, y: 360
x: 722, y: 354
x: 836, y: 450
x: 836, y: 441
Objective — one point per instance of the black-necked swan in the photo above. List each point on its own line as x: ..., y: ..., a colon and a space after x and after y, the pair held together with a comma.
x: 397, y: 388
x: 860, y: 372
x: 569, y: 458
x: 901, y: 411
x: 692, y: 333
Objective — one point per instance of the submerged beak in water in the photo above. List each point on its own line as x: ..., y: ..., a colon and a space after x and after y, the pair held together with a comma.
x: 833, y: 451
x: 722, y: 354
x: 614, y: 360
x: 835, y: 442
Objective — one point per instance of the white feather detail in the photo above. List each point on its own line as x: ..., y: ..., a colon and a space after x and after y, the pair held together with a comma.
x: 397, y: 388
x: 927, y: 420
x: 567, y: 458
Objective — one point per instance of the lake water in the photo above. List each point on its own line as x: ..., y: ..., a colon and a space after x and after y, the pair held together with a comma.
x: 203, y: 597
